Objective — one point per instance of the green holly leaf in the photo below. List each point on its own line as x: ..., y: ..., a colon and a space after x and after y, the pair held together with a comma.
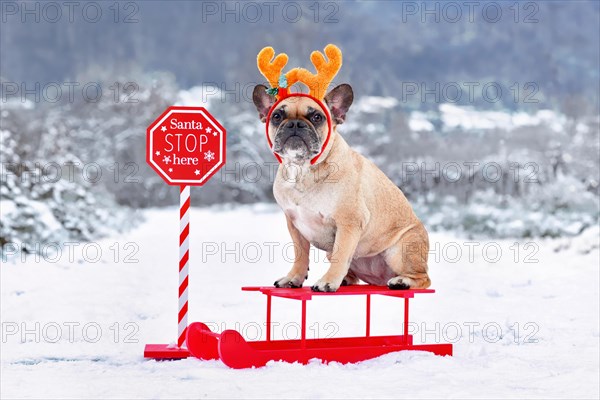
x: 272, y: 91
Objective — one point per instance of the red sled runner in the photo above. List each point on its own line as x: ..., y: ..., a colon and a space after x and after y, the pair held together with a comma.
x: 235, y: 352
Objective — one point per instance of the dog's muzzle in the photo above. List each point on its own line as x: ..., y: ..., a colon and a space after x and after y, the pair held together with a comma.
x: 296, y: 137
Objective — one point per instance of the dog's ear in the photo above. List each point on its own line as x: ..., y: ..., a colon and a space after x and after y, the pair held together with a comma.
x: 339, y: 101
x: 263, y: 101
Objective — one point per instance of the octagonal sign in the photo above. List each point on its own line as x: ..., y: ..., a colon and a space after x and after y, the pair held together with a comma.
x: 185, y: 145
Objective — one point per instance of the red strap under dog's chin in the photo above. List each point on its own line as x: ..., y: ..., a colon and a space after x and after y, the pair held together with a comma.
x: 323, y: 107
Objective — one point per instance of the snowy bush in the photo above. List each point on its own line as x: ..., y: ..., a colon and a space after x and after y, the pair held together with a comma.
x: 549, y: 211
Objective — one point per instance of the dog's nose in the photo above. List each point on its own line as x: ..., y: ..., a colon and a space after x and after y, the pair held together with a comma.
x: 296, y: 124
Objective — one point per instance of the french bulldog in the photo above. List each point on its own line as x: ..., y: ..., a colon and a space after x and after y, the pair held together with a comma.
x: 342, y: 204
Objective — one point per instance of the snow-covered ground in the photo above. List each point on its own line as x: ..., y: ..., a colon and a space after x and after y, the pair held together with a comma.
x: 73, y: 328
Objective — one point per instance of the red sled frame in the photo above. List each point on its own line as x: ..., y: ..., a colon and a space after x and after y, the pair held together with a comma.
x: 235, y: 352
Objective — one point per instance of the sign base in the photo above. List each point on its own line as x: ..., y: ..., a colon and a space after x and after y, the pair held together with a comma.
x: 165, y: 352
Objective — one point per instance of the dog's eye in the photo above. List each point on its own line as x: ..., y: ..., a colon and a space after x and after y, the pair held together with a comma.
x: 316, y: 118
x: 276, y: 117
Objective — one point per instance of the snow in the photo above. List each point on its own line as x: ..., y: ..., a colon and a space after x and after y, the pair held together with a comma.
x: 45, y: 215
x: 375, y: 104
x: 198, y: 96
x: 7, y: 207
x: 546, y: 290
x: 17, y: 103
x: 418, y: 122
x: 468, y: 118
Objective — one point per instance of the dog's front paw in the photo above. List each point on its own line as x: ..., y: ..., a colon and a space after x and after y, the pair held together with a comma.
x: 323, y: 286
x: 287, y: 282
x: 399, y: 283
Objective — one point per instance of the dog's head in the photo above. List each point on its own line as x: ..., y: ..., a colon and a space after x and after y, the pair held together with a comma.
x: 297, y: 126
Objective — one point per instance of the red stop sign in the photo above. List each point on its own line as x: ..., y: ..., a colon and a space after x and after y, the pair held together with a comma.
x: 185, y: 145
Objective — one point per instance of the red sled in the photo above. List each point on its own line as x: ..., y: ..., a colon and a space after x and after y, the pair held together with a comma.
x: 235, y: 352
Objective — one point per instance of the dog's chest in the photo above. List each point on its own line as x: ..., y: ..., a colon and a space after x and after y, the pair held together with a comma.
x: 313, y: 219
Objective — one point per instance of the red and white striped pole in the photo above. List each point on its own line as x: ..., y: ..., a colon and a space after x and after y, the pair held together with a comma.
x: 184, y: 257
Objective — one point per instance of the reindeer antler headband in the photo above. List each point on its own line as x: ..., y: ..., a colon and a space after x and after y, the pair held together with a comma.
x: 316, y: 83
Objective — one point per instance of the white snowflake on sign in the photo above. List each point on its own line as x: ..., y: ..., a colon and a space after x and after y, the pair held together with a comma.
x: 208, y: 129
x: 197, y: 172
x: 209, y: 156
x: 166, y: 159
x: 158, y: 153
x: 170, y: 169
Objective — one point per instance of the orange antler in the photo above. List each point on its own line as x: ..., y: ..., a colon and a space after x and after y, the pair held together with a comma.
x: 271, y: 70
x: 326, y: 71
